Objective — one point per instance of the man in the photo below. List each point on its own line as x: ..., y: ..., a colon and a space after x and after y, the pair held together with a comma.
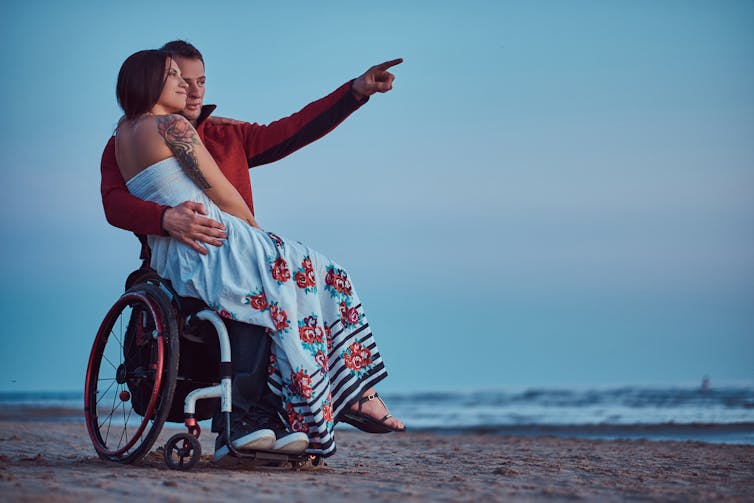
x: 237, y: 146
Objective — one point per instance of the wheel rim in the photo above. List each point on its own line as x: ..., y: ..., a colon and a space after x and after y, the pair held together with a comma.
x: 112, y: 421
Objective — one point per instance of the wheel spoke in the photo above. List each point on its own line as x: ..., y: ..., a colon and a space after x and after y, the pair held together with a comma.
x: 110, y: 416
x: 120, y: 331
x: 120, y: 323
x: 104, y: 393
x: 124, y: 432
x: 123, y: 332
x: 127, y: 418
x: 108, y: 361
x: 119, y: 340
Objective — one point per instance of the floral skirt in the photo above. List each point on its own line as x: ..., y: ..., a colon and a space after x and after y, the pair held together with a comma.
x: 323, y: 354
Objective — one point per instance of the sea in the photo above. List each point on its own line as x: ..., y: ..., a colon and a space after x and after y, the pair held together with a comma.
x: 706, y: 414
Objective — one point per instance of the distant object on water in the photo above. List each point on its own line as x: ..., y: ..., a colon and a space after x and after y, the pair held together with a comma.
x: 705, y: 382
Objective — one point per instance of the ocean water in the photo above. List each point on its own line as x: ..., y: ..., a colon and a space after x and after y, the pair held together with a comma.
x: 717, y: 414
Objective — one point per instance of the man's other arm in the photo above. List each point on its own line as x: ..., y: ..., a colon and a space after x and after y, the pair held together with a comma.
x: 122, y: 209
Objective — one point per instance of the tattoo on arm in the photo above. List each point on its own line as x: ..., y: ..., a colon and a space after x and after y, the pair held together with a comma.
x: 181, y: 138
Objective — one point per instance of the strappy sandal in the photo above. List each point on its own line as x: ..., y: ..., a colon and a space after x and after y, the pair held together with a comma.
x: 365, y: 422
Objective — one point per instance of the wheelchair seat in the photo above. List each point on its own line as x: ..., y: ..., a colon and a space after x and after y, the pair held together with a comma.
x: 186, y: 306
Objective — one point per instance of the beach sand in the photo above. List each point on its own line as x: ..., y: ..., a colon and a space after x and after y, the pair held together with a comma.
x: 44, y: 460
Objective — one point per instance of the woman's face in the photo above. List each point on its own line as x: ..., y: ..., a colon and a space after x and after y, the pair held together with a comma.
x: 174, y: 92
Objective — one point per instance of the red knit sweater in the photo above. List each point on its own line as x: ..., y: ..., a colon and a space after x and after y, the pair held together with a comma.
x: 236, y: 146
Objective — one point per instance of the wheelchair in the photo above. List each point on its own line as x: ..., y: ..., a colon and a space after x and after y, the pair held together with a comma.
x: 158, y: 357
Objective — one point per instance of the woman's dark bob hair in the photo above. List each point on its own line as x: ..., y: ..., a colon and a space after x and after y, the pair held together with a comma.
x: 140, y: 81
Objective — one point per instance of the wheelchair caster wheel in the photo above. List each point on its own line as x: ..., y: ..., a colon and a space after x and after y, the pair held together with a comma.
x: 315, y: 460
x: 182, y: 451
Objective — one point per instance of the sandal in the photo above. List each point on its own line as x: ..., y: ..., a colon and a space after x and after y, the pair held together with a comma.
x: 365, y: 422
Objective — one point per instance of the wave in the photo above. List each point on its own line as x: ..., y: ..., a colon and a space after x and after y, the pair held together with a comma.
x: 722, y: 414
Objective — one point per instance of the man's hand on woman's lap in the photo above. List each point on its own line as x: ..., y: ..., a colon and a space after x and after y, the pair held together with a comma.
x: 186, y: 224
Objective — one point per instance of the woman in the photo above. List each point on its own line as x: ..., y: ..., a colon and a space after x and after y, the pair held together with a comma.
x: 324, y: 361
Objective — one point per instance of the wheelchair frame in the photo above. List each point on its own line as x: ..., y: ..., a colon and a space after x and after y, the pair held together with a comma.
x: 135, y: 371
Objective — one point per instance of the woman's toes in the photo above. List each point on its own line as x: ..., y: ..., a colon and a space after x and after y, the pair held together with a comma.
x: 394, y: 423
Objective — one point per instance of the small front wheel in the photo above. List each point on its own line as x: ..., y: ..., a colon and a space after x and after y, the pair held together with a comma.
x: 182, y: 451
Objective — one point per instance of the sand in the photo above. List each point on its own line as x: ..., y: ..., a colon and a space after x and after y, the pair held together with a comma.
x: 43, y: 460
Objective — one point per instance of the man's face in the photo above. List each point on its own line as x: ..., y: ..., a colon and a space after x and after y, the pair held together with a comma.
x: 192, y: 71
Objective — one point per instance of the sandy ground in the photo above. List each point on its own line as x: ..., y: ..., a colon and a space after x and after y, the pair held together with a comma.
x: 52, y: 461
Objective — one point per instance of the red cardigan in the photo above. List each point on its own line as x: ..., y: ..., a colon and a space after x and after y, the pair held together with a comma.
x: 236, y: 146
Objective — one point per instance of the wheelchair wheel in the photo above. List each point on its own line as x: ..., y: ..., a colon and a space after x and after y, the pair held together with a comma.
x: 131, y: 376
x: 182, y: 451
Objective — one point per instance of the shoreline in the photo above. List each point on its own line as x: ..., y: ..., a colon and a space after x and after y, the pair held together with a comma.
x: 43, y: 460
x: 715, y: 433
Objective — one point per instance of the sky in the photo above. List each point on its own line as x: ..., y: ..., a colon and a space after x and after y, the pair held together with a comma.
x: 554, y: 193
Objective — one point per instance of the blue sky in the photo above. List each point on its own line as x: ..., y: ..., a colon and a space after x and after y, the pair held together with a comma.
x: 554, y: 194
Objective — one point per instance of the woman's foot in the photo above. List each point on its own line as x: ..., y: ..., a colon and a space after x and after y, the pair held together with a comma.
x: 370, y: 414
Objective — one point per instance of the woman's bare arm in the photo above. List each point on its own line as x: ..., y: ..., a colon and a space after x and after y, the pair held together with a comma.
x: 199, y: 165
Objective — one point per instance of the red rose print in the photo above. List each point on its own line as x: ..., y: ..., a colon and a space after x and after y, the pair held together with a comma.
x: 338, y: 283
x: 305, y: 277
x: 353, y: 316
x: 280, y: 271
x: 357, y: 356
x: 321, y: 359
x: 296, y: 420
x: 307, y: 334
x: 258, y: 302
x: 348, y: 315
x: 327, y: 411
x: 328, y: 337
x: 309, y: 331
x: 279, y: 318
x: 301, y: 384
x: 301, y: 280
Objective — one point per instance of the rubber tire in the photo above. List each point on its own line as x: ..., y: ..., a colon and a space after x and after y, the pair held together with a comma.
x: 157, y: 306
x: 194, y: 454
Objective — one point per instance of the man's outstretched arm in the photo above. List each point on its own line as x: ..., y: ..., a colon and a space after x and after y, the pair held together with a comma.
x: 272, y: 142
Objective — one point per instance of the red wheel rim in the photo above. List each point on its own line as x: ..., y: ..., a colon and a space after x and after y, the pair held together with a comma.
x: 90, y: 405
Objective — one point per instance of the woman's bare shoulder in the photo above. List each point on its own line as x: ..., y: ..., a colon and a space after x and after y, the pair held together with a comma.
x: 139, y: 144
